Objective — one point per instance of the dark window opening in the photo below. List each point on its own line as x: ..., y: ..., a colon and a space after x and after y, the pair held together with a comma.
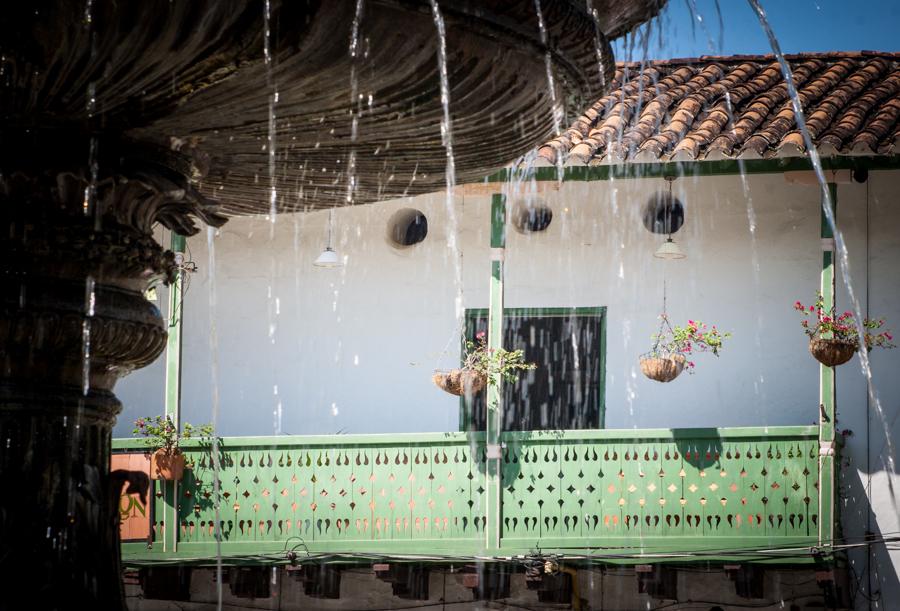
x: 566, y: 391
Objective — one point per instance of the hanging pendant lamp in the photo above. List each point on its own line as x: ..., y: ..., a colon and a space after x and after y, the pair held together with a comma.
x: 329, y: 257
x: 669, y: 249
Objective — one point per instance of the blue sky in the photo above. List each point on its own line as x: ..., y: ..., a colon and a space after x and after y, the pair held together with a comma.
x: 800, y: 25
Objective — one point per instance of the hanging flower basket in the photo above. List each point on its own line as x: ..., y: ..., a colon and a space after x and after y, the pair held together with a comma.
x: 831, y: 352
x: 673, y: 345
x: 161, y: 434
x: 167, y: 465
x: 459, y: 381
x: 843, y: 332
x: 480, y: 366
x: 662, y: 368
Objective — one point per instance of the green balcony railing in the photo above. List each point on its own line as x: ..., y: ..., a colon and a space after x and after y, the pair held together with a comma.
x: 613, y: 494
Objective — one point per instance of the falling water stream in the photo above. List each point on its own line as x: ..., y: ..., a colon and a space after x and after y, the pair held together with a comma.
x: 90, y: 302
x: 839, y: 243
x: 355, y: 103
x: 273, y: 302
x: 214, y: 387
x: 273, y: 100
x: 90, y: 208
x: 752, y: 226
x: 599, y: 48
x: 556, y: 110
x: 447, y: 141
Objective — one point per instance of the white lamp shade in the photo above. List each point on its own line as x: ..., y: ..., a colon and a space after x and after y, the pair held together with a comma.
x: 328, y: 258
x: 669, y: 250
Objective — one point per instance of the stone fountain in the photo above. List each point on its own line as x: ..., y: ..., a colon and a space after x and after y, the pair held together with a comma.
x: 117, y: 116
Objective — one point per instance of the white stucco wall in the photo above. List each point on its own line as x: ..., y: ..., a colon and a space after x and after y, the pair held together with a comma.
x: 352, y: 350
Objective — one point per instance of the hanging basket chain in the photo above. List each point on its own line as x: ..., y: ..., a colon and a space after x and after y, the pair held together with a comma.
x: 664, y: 333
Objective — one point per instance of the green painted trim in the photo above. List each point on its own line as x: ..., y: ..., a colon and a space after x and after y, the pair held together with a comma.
x: 827, y: 389
x: 655, y: 544
x: 825, y: 227
x: 496, y: 314
x: 722, y: 167
x: 166, y: 504
x: 494, y: 399
x: 173, y: 341
x: 634, y: 435
x: 179, y: 242
x: 603, y: 359
x: 498, y: 220
x: 331, y: 441
x: 539, y: 311
x: 463, y: 412
x: 773, y: 433
x: 613, y: 546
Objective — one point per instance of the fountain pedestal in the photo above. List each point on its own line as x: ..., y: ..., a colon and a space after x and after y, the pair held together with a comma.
x: 76, y: 254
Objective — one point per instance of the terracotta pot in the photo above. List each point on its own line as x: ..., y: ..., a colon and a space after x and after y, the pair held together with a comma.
x: 458, y: 381
x: 662, y: 369
x: 831, y: 352
x: 167, y: 466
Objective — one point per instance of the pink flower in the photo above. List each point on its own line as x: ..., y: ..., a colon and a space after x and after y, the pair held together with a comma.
x: 812, y: 309
x: 889, y: 336
x: 480, y: 335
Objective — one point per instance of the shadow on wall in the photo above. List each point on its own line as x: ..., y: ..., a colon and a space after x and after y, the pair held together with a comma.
x: 877, y: 580
x: 700, y: 448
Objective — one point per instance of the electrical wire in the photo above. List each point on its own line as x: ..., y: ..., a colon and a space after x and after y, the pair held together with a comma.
x: 705, y: 604
x: 859, y: 591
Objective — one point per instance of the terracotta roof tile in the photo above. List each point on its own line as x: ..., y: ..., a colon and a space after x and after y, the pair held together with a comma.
x: 738, y: 106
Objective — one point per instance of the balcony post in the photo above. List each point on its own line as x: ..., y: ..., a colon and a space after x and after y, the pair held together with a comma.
x: 494, y: 389
x: 827, y: 401
x: 173, y: 386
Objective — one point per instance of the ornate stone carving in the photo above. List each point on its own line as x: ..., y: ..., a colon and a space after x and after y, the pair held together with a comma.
x: 76, y: 254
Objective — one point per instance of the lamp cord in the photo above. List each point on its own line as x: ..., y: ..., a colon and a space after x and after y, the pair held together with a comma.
x: 330, y: 225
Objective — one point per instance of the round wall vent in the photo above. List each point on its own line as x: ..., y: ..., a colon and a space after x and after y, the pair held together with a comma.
x: 663, y: 213
x: 531, y: 216
x: 407, y: 227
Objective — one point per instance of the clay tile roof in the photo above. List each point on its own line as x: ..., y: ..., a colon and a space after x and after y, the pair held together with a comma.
x: 738, y: 106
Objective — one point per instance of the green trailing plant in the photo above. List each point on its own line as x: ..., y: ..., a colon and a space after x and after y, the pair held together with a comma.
x: 160, y: 432
x: 488, y: 362
x: 686, y: 341
x: 820, y: 322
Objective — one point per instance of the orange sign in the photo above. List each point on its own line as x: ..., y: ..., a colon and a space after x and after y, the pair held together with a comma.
x: 134, y: 515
